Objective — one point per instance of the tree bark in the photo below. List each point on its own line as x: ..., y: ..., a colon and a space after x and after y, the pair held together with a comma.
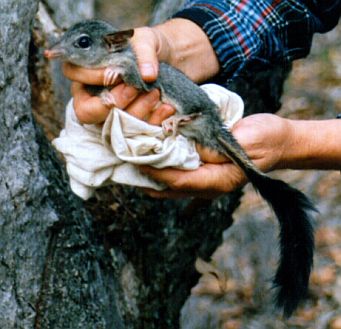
x: 54, y: 272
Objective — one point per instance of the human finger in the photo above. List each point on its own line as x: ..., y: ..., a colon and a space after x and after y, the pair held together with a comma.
x: 83, y: 75
x: 124, y: 95
x: 170, y: 194
x: 218, y: 178
x: 161, y: 113
x: 88, y: 108
x: 208, y: 155
x: 143, y: 106
x: 145, y: 44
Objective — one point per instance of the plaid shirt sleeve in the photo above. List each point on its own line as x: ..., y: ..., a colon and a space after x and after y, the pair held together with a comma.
x: 263, y: 31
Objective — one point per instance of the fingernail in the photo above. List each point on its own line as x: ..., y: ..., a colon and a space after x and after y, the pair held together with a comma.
x: 148, y: 70
x: 168, y: 110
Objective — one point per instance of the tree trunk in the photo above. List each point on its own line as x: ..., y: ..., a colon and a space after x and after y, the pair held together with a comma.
x: 130, y: 267
x: 54, y: 272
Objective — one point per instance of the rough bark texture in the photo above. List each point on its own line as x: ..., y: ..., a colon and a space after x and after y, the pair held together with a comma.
x: 161, y: 240
x: 69, y: 12
x: 164, y: 9
x: 53, y: 267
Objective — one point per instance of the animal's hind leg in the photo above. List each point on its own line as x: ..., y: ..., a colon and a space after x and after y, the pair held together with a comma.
x: 171, y: 125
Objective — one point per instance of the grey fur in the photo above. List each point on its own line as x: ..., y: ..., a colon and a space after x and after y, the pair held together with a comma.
x: 290, y: 205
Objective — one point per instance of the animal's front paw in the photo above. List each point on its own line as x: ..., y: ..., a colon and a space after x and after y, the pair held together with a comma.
x: 107, y: 98
x: 111, y: 75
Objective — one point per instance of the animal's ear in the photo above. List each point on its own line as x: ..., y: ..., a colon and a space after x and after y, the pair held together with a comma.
x: 118, y: 39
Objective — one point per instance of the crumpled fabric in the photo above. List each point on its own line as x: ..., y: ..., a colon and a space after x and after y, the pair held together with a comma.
x: 96, y: 156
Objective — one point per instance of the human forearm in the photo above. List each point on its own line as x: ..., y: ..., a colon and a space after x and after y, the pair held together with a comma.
x: 312, y: 144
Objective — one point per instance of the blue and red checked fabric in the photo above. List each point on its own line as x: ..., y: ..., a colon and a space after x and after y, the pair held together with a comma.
x: 263, y: 31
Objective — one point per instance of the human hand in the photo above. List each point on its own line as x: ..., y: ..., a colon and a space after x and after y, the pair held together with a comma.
x: 178, y: 42
x: 90, y: 109
x: 264, y: 137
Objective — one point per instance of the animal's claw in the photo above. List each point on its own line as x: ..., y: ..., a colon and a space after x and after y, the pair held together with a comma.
x: 110, y: 76
x: 172, y: 124
x: 107, y: 98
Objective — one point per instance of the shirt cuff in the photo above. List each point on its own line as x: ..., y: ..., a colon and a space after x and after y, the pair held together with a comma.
x: 230, y: 39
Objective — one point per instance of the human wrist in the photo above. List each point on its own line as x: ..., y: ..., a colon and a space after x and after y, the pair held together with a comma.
x: 184, y: 45
x: 312, y: 144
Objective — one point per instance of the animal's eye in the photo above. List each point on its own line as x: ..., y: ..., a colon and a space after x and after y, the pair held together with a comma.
x: 83, y: 42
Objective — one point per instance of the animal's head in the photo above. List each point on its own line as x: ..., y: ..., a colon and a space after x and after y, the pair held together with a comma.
x: 89, y: 42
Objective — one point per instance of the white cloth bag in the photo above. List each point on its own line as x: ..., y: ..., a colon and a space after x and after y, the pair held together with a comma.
x: 96, y: 156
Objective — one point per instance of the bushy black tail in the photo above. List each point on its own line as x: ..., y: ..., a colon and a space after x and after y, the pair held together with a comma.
x: 293, y: 210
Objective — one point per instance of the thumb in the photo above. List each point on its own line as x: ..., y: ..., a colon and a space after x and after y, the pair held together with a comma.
x: 145, y: 43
